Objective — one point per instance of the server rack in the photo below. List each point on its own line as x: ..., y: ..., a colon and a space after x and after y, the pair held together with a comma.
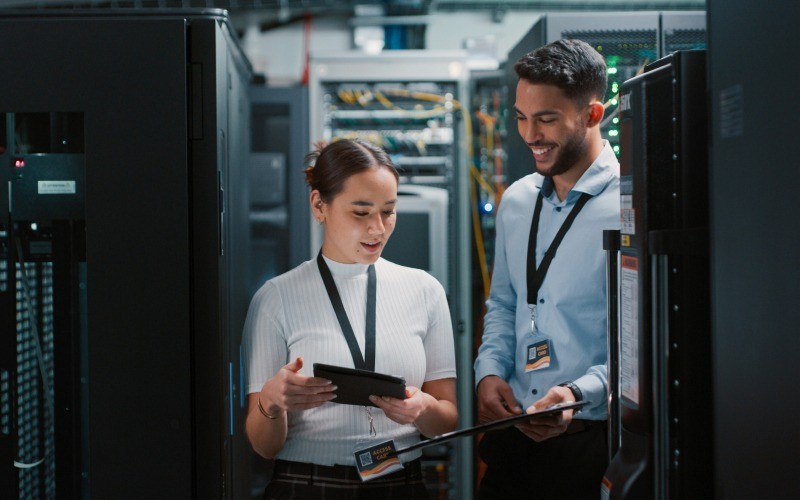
x: 280, y: 212
x: 627, y: 40
x: 279, y: 225
x: 122, y: 142
x: 664, y: 341
x: 489, y: 109
x: 755, y: 279
x: 412, y: 104
x: 682, y: 31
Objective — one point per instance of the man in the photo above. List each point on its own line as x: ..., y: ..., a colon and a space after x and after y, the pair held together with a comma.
x: 544, y: 337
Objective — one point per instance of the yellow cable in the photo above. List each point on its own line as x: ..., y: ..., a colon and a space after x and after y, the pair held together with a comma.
x: 482, y: 181
x: 386, y: 102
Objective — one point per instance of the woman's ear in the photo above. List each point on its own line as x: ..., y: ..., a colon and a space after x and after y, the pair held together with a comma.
x: 596, y: 112
x: 316, y: 206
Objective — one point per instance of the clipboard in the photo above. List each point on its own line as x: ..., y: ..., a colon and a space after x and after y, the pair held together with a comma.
x: 496, y: 424
x: 355, y: 386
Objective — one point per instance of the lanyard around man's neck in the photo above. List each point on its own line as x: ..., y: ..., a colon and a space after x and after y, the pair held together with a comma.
x: 536, y: 274
x: 368, y: 361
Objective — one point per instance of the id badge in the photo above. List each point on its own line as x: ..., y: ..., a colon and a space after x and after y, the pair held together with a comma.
x: 373, y: 460
x: 538, y: 354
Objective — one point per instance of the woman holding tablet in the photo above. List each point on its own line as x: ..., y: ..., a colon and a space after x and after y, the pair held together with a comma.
x: 349, y: 308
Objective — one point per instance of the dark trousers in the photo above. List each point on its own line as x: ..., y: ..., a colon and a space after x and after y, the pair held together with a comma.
x: 570, y: 466
x: 295, y: 480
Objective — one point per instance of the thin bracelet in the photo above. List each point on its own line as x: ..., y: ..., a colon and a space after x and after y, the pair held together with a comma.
x: 264, y: 412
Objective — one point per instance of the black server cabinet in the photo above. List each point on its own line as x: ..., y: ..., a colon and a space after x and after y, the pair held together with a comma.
x: 123, y: 139
x: 664, y: 341
x: 753, y: 80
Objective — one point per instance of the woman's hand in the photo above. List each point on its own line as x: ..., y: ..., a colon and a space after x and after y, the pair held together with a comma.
x: 405, y: 411
x: 288, y: 390
x: 431, y: 409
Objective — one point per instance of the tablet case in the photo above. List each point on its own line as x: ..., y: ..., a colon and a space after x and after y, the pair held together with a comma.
x: 354, y: 386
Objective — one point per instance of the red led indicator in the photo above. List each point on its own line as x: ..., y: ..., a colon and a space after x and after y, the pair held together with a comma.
x: 19, y: 163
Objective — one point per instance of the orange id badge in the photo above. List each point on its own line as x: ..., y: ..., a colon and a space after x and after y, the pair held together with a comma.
x: 538, y: 355
x: 377, y: 460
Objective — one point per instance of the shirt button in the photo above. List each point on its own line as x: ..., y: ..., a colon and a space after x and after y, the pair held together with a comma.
x: 558, y: 209
x: 541, y: 301
x: 534, y: 392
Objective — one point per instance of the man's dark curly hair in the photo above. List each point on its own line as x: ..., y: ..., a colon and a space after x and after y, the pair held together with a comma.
x: 571, y: 65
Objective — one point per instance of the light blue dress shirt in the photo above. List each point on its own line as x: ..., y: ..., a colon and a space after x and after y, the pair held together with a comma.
x: 571, y: 309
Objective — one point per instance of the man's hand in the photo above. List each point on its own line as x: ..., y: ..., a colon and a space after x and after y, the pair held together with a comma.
x: 496, y: 400
x: 540, y: 429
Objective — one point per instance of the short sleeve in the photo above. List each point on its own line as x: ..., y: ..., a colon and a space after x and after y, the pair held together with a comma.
x: 438, y: 343
x: 264, y: 348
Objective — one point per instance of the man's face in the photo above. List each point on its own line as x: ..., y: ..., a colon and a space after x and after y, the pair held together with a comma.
x: 552, y: 126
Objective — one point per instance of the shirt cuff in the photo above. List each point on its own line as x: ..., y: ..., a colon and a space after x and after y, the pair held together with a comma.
x: 592, y: 389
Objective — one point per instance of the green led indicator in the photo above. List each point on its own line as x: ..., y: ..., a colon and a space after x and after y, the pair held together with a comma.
x: 615, y: 120
x: 612, y: 71
x: 613, y: 102
x: 616, y: 148
x: 613, y: 133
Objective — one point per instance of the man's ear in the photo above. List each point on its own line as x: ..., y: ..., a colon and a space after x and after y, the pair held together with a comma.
x: 596, y: 112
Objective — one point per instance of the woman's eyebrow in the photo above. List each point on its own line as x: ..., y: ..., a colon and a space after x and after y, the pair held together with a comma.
x: 361, y: 203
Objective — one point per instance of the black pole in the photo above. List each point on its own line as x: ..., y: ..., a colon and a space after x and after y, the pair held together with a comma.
x: 611, y: 246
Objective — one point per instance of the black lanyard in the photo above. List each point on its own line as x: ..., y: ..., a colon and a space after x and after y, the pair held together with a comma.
x: 536, y: 274
x: 341, y: 315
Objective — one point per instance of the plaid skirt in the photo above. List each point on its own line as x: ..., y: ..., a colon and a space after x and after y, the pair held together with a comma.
x: 296, y: 480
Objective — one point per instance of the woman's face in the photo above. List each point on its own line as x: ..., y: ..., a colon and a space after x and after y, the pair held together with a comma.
x: 360, y: 219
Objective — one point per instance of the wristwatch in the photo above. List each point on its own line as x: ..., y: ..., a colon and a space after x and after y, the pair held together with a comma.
x: 576, y: 391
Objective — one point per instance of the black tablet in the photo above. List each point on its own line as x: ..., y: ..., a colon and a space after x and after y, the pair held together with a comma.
x: 496, y: 424
x: 354, y: 386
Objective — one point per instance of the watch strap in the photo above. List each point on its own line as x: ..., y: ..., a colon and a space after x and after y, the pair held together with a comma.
x: 576, y: 391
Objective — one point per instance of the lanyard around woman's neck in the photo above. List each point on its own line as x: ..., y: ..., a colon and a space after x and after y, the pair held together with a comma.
x: 368, y: 361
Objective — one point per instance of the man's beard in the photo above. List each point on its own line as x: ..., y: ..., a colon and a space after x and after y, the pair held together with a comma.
x: 570, y: 153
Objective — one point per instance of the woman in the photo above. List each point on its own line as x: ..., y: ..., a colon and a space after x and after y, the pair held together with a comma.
x: 292, y: 324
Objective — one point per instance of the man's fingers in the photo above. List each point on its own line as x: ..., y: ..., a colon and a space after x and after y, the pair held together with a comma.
x: 493, y: 410
x: 509, y: 401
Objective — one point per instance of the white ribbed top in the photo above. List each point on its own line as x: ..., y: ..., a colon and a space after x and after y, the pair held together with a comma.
x: 291, y: 316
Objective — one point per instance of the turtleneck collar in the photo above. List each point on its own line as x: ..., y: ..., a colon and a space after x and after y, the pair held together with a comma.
x: 345, y: 270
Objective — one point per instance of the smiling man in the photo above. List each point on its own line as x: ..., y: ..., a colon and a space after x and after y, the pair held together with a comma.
x: 544, y: 337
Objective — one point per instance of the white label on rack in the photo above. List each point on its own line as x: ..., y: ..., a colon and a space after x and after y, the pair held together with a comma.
x: 629, y: 329
x: 56, y: 187
x: 627, y: 214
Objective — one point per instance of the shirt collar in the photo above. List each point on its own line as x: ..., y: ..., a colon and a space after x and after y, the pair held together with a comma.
x: 593, y: 181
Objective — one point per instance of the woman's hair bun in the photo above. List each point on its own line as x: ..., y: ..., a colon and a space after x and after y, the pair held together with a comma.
x: 311, y: 160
